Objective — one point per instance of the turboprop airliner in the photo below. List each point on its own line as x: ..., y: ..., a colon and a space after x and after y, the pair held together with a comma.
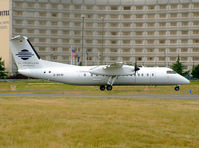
x: 30, y: 64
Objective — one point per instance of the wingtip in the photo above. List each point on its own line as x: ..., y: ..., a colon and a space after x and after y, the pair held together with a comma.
x: 19, y: 37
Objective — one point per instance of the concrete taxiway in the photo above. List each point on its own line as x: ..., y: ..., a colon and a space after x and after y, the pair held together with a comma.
x: 133, y: 96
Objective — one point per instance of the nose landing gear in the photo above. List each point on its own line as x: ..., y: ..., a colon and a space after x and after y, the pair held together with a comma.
x: 177, y: 88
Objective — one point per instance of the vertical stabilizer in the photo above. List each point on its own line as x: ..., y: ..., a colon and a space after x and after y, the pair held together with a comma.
x: 24, y: 53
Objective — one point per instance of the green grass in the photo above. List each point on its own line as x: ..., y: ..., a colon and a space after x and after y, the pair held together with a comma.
x: 36, y: 86
x: 98, y: 123
x: 42, y: 122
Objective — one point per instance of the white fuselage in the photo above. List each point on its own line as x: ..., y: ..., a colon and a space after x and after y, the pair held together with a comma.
x: 81, y: 75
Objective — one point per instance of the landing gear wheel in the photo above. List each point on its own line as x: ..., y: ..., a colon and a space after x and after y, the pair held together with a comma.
x: 109, y: 87
x: 177, y: 88
x: 102, y: 87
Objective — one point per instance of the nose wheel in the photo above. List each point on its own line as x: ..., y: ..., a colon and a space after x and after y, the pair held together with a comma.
x: 177, y: 88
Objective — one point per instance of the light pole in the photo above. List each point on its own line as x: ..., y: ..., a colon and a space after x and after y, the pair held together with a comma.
x: 82, y: 52
x: 102, y: 40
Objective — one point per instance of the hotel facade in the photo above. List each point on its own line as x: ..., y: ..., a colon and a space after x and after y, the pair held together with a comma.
x: 153, y: 32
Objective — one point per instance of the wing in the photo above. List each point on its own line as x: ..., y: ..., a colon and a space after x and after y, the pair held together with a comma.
x: 116, y: 69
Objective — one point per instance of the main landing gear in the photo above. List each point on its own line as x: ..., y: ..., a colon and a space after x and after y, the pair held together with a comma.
x: 177, y: 88
x: 108, y: 87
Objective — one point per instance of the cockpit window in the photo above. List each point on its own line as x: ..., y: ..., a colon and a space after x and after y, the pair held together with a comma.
x: 171, y: 72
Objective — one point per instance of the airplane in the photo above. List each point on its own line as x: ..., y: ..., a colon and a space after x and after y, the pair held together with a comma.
x: 30, y: 64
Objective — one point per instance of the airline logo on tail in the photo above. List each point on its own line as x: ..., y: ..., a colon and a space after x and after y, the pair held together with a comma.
x: 24, y: 54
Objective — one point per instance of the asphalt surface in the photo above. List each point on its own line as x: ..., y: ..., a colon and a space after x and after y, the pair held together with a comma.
x: 193, y: 97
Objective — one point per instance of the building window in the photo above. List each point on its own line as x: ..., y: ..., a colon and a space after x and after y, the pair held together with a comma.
x: 54, y: 23
x: 31, y: 31
x: 162, y: 7
x: 30, y: 5
x: 161, y: 58
x: 150, y: 42
x: 18, y: 13
x: 185, y: 6
x: 172, y: 50
x: 42, y: 23
x: 127, y: 8
x: 65, y: 15
x: 54, y: 6
x: 18, y: 4
x: 101, y: 7
x: 195, y: 59
x: 173, y: 15
x: 151, y: 24
x: 184, y: 32
x: 195, y: 31
x: 139, y: 50
x: 42, y: 5
x: 42, y: 31
x: 173, y: 41
x: 184, y: 50
x: 42, y: 40
x: 185, y: 15
x: 162, y: 33
x: 150, y: 33
x: 18, y: 22
x: 151, y: 16
x: 89, y: 7
x: 42, y: 14
x: 173, y: 33
x: 196, y: 14
x: 196, y: 23
x: 151, y: 7
x: 184, y: 41
x: 173, y: 24
x: 139, y: 7
x: 139, y: 16
x: 18, y: 31
x: 54, y: 32
x: 196, y: 6
x: 162, y: 15
x: 54, y: 14
x: 126, y: 41
x: 196, y: 41
x: 138, y: 41
x: 195, y: 49
x: 114, y: 8
x: 174, y: 6
x: 162, y: 41
x: 150, y: 50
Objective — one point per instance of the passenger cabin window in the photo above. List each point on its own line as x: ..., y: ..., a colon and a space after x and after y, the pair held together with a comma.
x: 171, y: 72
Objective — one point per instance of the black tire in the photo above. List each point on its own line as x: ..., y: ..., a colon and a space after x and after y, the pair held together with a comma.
x: 102, y: 87
x: 109, y: 87
x: 177, y: 88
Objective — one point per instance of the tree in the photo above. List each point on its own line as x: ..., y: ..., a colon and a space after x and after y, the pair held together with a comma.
x: 3, y: 73
x: 179, y: 68
x: 195, y: 72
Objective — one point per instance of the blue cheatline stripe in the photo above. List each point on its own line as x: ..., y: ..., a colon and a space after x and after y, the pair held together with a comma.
x: 33, y: 49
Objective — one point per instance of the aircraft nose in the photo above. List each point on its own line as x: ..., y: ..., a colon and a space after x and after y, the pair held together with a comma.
x: 184, y: 80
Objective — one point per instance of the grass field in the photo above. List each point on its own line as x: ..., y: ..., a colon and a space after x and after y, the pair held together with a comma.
x: 41, y: 122
x: 37, y: 87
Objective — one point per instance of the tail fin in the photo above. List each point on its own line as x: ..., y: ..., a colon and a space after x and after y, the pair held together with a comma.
x: 24, y: 53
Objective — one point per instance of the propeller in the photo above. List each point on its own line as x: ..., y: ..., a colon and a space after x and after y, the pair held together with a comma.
x: 136, y: 68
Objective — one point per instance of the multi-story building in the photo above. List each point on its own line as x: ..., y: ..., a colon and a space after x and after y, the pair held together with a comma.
x: 4, y: 32
x: 154, y: 32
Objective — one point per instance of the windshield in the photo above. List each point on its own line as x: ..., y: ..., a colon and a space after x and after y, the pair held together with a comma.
x: 171, y: 72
